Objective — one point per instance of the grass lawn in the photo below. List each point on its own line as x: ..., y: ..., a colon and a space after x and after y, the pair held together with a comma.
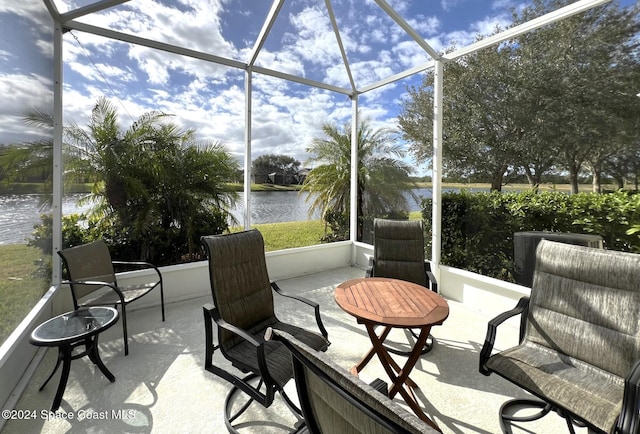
x: 279, y: 236
x: 21, y: 286
x: 287, y: 235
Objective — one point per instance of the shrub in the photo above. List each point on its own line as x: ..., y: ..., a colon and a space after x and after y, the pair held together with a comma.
x: 161, y: 246
x: 477, y: 228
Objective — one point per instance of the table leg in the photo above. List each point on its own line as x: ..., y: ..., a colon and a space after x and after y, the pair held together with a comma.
x: 54, y: 370
x: 396, y: 367
x: 65, y: 352
x: 367, y: 357
x: 416, y: 352
x: 401, y: 383
x: 94, y: 356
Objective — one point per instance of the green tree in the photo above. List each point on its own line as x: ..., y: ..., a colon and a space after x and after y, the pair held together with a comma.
x: 558, y: 97
x: 481, y: 128
x: 583, y: 69
x: 284, y: 166
x: 382, y: 176
x: 152, y: 179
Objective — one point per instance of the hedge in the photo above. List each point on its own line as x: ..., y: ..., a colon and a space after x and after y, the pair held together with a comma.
x: 478, y: 228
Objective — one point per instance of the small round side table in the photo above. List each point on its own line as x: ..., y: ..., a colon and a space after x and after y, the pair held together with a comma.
x: 70, y: 330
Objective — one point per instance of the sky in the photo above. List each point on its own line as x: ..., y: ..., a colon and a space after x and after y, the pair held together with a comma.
x: 209, y: 98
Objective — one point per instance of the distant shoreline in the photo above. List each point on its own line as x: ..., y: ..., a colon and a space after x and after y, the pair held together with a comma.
x: 38, y: 188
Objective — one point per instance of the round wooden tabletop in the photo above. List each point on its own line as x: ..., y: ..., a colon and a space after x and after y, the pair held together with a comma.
x: 391, y: 302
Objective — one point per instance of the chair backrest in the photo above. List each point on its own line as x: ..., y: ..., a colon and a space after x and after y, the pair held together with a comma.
x: 90, y: 261
x: 240, y: 283
x: 591, y: 293
x: 398, y: 250
x: 334, y: 401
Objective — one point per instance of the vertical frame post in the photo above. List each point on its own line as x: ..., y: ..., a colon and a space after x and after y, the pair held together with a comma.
x: 247, y: 149
x: 436, y: 179
x: 353, y: 211
x: 57, y: 182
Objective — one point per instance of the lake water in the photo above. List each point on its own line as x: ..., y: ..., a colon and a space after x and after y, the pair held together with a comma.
x: 19, y: 213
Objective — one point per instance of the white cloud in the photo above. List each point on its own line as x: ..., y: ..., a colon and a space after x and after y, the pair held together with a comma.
x: 21, y: 94
x: 210, y: 98
x: 101, y: 71
x: 447, y: 5
x: 284, y: 61
x: 284, y: 121
x: 32, y: 10
x: 425, y: 25
x: 503, y: 4
x: 409, y: 54
x: 314, y: 39
x: 191, y: 24
x: 400, y: 6
x: 488, y: 25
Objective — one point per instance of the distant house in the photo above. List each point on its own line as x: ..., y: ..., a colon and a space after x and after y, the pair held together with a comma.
x: 301, y: 176
x: 260, y: 179
x: 282, y: 178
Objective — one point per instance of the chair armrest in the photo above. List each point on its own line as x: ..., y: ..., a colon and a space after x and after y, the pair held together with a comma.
x: 313, y: 304
x: 629, y: 419
x: 431, y: 278
x: 134, y: 263
x: 492, y: 329
x: 95, y: 283
x: 211, y: 313
x: 138, y: 265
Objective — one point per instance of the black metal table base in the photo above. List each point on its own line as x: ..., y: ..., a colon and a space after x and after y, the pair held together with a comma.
x: 65, y: 356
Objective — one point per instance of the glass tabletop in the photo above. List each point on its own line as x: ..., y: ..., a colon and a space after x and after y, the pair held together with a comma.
x: 74, y: 325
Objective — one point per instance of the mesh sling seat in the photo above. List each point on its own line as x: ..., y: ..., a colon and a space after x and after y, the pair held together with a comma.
x: 579, y: 350
x: 243, y: 308
x: 398, y: 253
x: 93, y: 282
x: 334, y: 401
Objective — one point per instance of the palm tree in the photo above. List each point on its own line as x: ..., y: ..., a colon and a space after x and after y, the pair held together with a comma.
x: 152, y: 176
x: 107, y: 156
x: 382, y: 176
x: 153, y: 184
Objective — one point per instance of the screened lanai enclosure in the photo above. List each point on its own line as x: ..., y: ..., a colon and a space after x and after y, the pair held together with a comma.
x: 256, y: 77
x: 330, y: 70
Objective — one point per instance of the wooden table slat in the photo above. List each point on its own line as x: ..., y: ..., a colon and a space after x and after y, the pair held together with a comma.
x: 391, y: 302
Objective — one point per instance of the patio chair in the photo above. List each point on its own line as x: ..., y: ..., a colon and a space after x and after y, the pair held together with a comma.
x: 243, y: 308
x: 334, y: 401
x: 92, y: 280
x: 579, y: 350
x: 398, y: 253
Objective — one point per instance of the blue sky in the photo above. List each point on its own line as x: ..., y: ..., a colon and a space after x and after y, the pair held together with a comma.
x: 210, y: 97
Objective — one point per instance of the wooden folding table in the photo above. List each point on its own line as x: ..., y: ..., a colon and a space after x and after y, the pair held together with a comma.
x: 393, y: 303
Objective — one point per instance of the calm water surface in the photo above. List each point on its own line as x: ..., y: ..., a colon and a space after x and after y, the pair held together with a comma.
x: 20, y: 212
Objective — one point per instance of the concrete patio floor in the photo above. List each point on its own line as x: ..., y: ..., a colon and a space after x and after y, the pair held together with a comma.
x: 161, y: 386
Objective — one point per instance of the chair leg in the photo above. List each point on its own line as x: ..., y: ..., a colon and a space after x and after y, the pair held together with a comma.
x: 228, y: 403
x: 544, y: 407
x: 162, y: 300
x: 294, y: 408
x: 124, y: 329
